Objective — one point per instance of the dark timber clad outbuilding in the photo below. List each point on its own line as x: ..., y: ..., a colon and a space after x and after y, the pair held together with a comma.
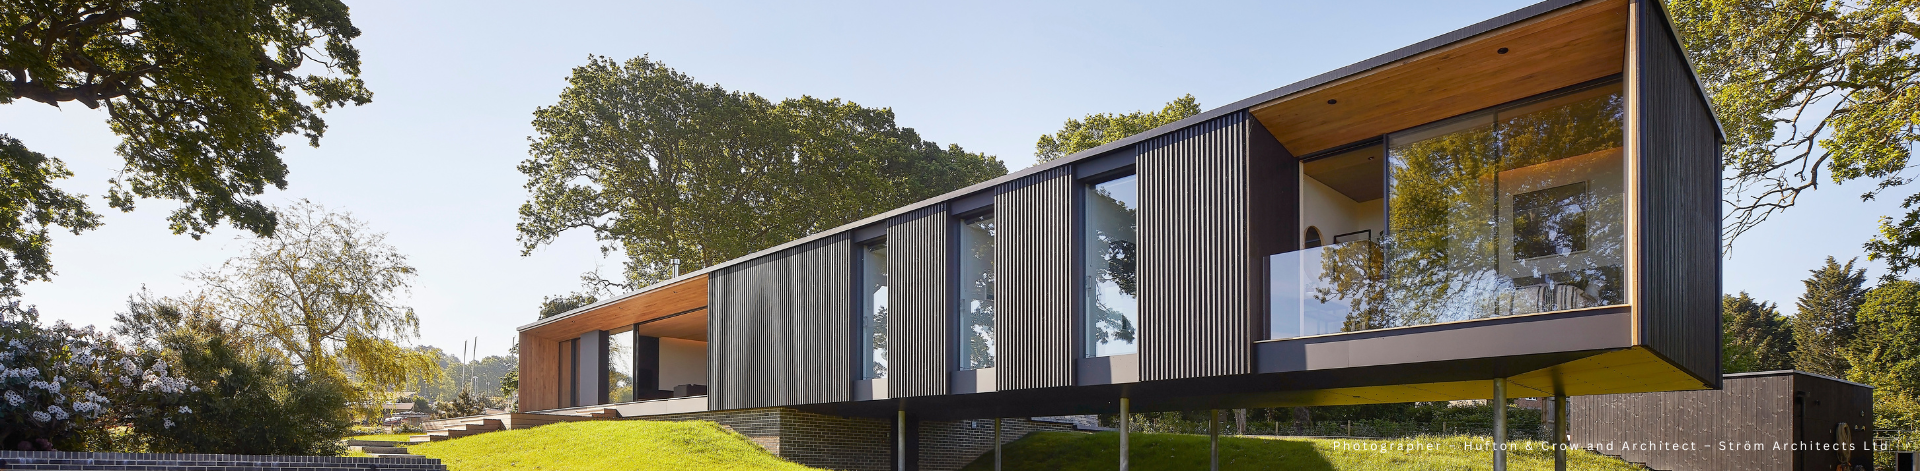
x: 1751, y: 424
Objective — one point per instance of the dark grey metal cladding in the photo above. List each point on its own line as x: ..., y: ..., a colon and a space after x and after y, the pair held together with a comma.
x: 919, y: 308
x: 780, y: 327
x: 1033, y: 288
x: 1764, y: 408
x: 1679, y: 181
x: 1198, y: 276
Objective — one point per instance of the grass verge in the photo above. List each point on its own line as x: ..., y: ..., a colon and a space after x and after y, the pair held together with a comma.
x: 606, y: 444
x: 1066, y: 451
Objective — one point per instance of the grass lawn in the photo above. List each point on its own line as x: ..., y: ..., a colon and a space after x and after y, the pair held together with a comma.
x: 606, y: 444
x: 1066, y: 451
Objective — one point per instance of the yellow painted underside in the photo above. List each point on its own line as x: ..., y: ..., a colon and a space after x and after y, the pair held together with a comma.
x: 1622, y: 371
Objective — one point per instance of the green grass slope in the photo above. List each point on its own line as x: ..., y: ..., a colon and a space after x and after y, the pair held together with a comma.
x: 1065, y: 451
x: 606, y: 445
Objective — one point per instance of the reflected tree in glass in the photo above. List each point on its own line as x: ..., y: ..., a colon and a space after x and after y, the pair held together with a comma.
x: 1111, y: 288
x: 976, y: 293
x: 620, y: 366
x: 873, y: 318
x: 1513, y: 211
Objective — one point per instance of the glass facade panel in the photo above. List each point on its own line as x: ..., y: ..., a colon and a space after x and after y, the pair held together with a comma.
x: 1513, y: 210
x: 873, y: 311
x: 1110, y: 298
x: 976, y: 292
x: 620, y: 368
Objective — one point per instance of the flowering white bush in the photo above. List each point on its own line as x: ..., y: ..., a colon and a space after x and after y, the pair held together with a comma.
x: 54, y: 381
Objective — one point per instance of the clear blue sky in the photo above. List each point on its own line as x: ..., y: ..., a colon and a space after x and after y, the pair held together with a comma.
x: 431, y: 160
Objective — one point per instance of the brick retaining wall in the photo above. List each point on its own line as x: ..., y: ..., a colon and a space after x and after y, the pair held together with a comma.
x: 10, y: 459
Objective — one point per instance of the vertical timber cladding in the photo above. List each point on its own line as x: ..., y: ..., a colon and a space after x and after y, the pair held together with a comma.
x: 1679, y: 160
x: 1033, y: 281
x: 918, y: 304
x: 1213, y: 201
x: 779, y: 328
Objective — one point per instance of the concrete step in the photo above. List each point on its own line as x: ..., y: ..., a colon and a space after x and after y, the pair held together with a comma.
x: 354, y: 443
x: 377, y: 450
x: 393, y: 455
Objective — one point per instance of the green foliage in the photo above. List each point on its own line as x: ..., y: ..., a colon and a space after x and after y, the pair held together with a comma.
x: 491, y: 373
x: 199, y: 91
x: 463, y: 405
x: 609, y: 444
x: 556, y: 305
x: 1067, y: 451
x: 1810, y: 86
x: 323, y: 293
x: 29, y: 205
x: 1824, y: 326
x: 1886, y: 353
x: 239, y: 402
x: 1754, y: 336
x: 1097, y: 129
x: 661, y: 167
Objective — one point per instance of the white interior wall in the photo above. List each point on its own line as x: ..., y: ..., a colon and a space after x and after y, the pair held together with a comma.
x: 1323, y: 207
x: 682, y: 362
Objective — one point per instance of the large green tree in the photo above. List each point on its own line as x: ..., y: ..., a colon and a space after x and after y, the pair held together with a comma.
x: 1824, y: 327
x: 1887, y: 353
x: 324, y: 293
x: 1101, y: 128
x: 1754, y: 336
x: 1812, y: 91
x: 198, y: 91
x: 662, y: 167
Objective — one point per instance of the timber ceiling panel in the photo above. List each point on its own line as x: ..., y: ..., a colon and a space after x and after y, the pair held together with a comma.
x: 1576, y: 44
x: 687, y: 298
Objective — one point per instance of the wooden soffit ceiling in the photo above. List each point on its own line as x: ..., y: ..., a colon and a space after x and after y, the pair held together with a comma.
x: 1566, y: 47
x: 677, y: 311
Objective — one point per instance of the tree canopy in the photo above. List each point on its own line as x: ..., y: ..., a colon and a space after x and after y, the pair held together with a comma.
x: 323, y: 293
x: 662, y: 167
x: 1824, y: 325
x: 1811, y: 91
x: 198, y: 91
x: 1886, y: 353
x: 1097, y: 129
x: 1754, y: 336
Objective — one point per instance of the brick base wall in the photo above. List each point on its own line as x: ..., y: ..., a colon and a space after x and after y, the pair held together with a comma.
x: 863, y: 444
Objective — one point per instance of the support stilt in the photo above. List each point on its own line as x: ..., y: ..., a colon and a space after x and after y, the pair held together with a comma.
x: 1561, y: 439
x: 1125, y: 418
x: 1213, y: 439
x: 900, y: 439
x: 1499, y: 424
x: 996, y: 444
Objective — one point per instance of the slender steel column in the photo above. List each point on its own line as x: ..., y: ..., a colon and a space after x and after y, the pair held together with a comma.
x: 900, y: 439
x: 1499, y: 424
x: 1560, y: 436
x: 996, y: 444
x: 1124, y: 419
x: 1213, y: 439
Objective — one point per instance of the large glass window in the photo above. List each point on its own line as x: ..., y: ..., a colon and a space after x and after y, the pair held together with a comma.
x: 1111, y: 297
x: 976, y: 292
x: 620, y: 368
x: 873, y: 311
x: 1513, y: 210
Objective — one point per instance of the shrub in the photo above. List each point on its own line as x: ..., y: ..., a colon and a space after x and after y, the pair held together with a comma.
x: 60, y: 385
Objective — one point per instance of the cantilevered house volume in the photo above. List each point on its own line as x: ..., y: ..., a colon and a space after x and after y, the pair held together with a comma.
x: 1534, y: 199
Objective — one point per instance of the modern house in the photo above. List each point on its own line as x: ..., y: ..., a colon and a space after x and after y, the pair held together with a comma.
x: 1525, y: 207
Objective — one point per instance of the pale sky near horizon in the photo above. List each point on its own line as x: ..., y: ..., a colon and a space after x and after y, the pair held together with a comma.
x: 431, y: 160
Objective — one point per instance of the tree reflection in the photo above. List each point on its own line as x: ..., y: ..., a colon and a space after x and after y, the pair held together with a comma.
x: 1509, y: 212
x: 1112, y: 286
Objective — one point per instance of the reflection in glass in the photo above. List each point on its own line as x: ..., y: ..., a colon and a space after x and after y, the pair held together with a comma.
x: 873, y: 311
x: 976, y: 293
x: 620, y: 365
x: 1111, y: 296
x: 1515, y: 210
x: 1510, y: 212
